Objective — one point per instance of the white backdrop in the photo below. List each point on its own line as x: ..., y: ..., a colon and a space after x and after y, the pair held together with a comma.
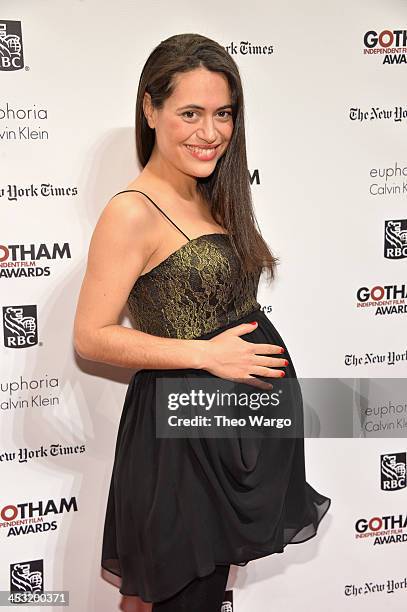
x: 326, y: 132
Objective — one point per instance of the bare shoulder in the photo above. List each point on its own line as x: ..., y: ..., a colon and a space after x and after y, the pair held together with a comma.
x: 130, y: 216
x: 129, y: 207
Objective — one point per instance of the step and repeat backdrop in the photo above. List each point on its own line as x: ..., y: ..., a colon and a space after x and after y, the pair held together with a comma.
x: 326, y: 115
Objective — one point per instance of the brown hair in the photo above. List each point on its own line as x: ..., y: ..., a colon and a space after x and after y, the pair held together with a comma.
x: 227, y: 189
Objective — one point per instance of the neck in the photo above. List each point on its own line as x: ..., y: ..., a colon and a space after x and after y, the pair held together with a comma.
x: 176, y: 183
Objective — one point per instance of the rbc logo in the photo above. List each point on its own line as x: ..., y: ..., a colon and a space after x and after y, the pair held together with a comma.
x: 393, y: 471
x: 20, y: 326
x: 395, y: 238
x: 27, y: 577
x: 11, y: 46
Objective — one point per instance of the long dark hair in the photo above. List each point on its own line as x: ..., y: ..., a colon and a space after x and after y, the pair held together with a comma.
x: 227, y: 189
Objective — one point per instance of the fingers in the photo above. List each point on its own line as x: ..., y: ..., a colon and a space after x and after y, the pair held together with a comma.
x: 243, y: 328
x: 267, y: 371
x: 271, y: 362
x: 268, y: 349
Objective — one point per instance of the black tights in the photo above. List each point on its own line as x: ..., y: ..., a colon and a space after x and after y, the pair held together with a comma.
x: 201, y: 595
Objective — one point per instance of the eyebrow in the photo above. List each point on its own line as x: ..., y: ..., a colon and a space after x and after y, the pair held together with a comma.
x: 202, y: 108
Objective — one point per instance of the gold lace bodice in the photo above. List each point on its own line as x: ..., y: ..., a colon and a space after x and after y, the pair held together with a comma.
x: 195, y: 290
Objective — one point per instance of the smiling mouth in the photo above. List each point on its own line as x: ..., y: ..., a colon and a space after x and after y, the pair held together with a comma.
x: 202, y: 152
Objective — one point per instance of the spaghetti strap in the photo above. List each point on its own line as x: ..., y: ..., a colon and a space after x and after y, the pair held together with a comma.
x: 127, y: 190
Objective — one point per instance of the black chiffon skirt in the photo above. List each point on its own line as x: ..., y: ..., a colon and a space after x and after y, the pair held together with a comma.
x: 178, y: 506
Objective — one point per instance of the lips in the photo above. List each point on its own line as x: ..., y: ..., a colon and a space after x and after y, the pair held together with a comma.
x: 202, y: 153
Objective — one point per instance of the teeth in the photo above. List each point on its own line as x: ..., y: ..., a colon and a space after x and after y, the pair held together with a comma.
x: 200, y: 149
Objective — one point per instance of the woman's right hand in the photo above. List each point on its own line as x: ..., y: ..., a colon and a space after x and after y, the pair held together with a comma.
x: 230, y: 357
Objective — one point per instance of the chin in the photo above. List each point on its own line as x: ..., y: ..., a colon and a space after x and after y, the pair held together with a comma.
x: 196, y: 171
x: 203, y: 174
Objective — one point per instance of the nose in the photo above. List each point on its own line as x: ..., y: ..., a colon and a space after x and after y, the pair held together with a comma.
x: 207, y: 130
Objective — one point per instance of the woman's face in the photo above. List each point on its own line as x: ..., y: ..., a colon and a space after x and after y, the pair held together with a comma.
x: 195, y: 125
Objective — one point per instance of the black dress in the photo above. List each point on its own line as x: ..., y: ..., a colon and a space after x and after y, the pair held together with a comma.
x: 176, y: 507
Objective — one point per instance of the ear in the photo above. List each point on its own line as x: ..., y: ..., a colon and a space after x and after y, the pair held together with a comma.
x: 148, y: 110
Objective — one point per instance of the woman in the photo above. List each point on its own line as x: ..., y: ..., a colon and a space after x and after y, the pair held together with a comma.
x: 180, y: 511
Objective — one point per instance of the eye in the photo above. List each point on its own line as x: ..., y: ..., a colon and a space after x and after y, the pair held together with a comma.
x: 228, y: 113
x: 187, y: 114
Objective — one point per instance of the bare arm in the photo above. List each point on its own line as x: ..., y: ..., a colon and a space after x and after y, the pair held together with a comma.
x: 120, y: 247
